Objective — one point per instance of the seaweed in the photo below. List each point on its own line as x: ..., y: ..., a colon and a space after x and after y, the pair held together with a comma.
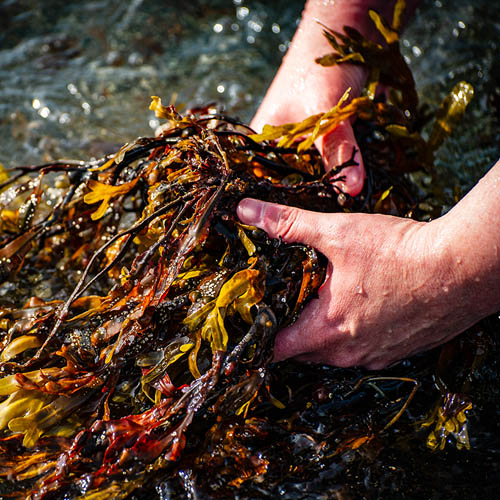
x: 151, y: 355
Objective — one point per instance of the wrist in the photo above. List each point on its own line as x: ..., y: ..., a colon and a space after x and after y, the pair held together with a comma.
x: 339, y: 13
x: 309, y: 43
x: 469, y: 266
x: 335, y: 14
x: 323, y: 86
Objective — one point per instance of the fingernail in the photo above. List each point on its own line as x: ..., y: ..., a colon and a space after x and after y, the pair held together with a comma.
x: 250, y: 211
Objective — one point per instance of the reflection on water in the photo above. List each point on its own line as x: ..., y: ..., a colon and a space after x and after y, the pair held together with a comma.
x: 78, y: 75
x: 76, y: 79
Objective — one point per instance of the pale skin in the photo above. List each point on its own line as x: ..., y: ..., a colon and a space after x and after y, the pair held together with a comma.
x: 302, y: 87
x: 395, y: 286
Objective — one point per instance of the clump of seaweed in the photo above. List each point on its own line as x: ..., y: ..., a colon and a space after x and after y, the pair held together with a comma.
x: 153, y: 340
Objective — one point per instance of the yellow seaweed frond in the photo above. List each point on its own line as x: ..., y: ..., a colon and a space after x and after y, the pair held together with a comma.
x: 18, y: 345
x: 39, y: 419
x: 397, y: 17
x: 314, y: 126
x: 246, y: 241
x: 449, y: 418
x: 4, y: 175
x: 21, y: 403
x: 196, y: 318
x: 384, y: 195
x: 170, y: 113
x: 391, y: 36
x: 161, y: 111
x: 450, y: 112
x: 9, y: 384
x: 103, y: 193
x: 246, y: 286
x: 193, y: 356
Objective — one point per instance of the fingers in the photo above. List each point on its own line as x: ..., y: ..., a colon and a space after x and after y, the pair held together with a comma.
x: 336, y: 148
x: 260, y: 119
x: 299, y: 338
x: 290, y: 223
x: 310, y: 339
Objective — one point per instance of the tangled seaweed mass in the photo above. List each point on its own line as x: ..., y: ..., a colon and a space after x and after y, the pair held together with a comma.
x: 153, y: 348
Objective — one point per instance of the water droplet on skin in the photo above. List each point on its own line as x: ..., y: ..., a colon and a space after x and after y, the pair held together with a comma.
x: 459, y: 260
x: 446, y: 289
x: 360, y: 290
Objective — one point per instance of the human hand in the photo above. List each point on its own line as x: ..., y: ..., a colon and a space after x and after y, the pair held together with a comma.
x: 302, y: 88
x: 391, y: 289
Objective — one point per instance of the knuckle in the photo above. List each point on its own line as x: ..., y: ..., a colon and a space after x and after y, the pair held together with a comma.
x: 377, y: 364
x: 345, y: 356
x: 344, y: 360
x: 287, y: 222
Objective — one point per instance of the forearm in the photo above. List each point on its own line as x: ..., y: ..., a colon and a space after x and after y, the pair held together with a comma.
x: 311, y: 87
x: 302, y: 87
x: 339, y: 13
x: 336, y: 14
x: 470, y: 235
x: 310, y: 43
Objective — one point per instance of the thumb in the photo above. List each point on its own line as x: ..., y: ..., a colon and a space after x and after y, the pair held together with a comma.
x: 336, y: 148
x: 290, y: 223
